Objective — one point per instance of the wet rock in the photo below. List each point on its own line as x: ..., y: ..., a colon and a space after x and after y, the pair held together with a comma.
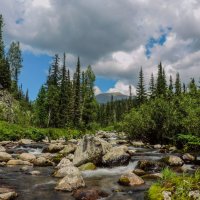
x: 194, y: 194
x: 150, y: 165
x: 35, y: 173
x: 106, y: 135
x: 54, y: 148
x: 7, y: 194
x: 130, y: 179
x: 25, y: 141
x: 138, y: 143
x: 89, y: 194
x: 116, y: 156
x: 64, y: 163
x: 71, y: 182
x: 139, y: 172
x: 18, y: 162
x: 166, y: 195
x: 2, y: 164
x: 4, y: 157
x: 27, y: 157
x: 173, y: 160
x: 154, y: 176
x: 90, y: 149
x: 131, y: 152
x: 26, y: 168
x: 120, y: 142
x: 157, y: 146
x: 185, y: 168
x: 69, y: 170
x: 87, y: 166
x: 188, y: 158
x: 42, y: 162
x: 74, y: 141
x: 172, y: 149
x: 2, y: 149
x: 70, y: 148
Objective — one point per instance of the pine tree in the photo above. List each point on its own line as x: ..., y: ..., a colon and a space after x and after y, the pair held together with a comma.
x: 152, y: 87
x: 192, y: 87
x: 15, y: 60
x: 41, y: 111
x: 1, y: 38
x: 161, y: 82
x: 170, y: 90
x: 178, y: 85
x: 63, y: 105
x: 27, y: 96
x: 77, y: 95
x: 5, y: 78
x: 90, y: 104
x: 141, y: 92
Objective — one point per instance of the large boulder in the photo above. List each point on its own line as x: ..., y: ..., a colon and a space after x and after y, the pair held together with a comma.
x: 116, y: 156
x: 90, y: 149
x: 69, y: 170
x: 173, y: 160
x: 27, y: 157
x: 188, y: 158
x: 18, y: 162
x: 4, y: 157
x: 72, y: 181
x: 130, y: 179
x: 7, y: 194
x: 42, y: 162
x: 70, y: 148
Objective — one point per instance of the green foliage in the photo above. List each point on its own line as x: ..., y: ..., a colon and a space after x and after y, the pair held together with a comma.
x: 178, y: 185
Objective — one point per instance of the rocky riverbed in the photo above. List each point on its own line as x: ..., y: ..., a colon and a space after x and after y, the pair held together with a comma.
x: 103, y: 166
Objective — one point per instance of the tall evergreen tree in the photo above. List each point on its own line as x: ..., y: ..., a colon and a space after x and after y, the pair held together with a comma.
x: 5, y: 78
x: 1, y: 38
x: 63, y: 105
x: 161, y: 81
x: 77, y: 95
x: 41, y: 111
x: 178, y: 85
x: 141, y: 92
x: 152, y: 88
x: 15, y: 60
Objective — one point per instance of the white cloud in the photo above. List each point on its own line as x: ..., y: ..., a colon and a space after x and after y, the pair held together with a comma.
x: 97, y: 90
x: 123, y: 88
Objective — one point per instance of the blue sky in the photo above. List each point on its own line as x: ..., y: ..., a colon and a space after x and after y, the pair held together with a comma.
x: 115, y: 37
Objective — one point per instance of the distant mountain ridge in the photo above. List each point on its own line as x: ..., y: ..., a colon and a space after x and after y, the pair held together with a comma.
x: 106, y: 97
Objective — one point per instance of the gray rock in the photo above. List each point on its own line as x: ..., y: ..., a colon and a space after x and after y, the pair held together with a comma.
x: 69, y: 170
x: 4, y: 157
x: 90, y: 149
x: 116, y: 156
x: 2, y: 149
x: 64, y: 163
x: 27, y: 157
x: 54, y: 148
x: 130, y: 179
x: 173, y: 160
x: 7, y: 194
x: 188, y: 157
x: 42, y: 162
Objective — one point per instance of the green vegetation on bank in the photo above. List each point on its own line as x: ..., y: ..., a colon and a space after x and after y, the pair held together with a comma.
x: 178, y: 186
x: 15, y: 132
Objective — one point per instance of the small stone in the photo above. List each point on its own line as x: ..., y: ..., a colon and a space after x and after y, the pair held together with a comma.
x: 166, y: 195
x: 35, y: 173
x: 139, y: 172
x: 157, y: 146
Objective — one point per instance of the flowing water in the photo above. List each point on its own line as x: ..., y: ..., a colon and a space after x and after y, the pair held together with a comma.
x: 42, y: 187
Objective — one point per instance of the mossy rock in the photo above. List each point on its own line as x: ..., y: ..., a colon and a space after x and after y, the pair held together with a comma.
x: 124, y: 181
x: 87, y: 166
x: 56, y: 159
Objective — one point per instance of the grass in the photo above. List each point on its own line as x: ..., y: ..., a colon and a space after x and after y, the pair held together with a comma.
x: 178, y: 185
x: 15, y: 132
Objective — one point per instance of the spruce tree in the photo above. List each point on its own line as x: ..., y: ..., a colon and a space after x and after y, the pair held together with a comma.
x: 1, y: 38
x: 63, y: 105
x: 178, y: 85
x: 5, y: 78
x: 77, y: 95
x: 152, y: 88
x: 141, y: 92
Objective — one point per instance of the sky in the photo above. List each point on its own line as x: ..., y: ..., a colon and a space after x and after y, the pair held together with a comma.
x: 115, y: 37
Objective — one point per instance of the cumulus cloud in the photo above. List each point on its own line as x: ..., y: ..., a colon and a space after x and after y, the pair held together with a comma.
x: 122, y: 88
x: 97, y: 90
x: 110, y: 35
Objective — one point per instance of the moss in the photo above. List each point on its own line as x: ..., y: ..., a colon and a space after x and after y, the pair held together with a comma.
x: 124, y: 181
x: 56, y: 159
x: 87, y: 166
x: 155, y: 192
